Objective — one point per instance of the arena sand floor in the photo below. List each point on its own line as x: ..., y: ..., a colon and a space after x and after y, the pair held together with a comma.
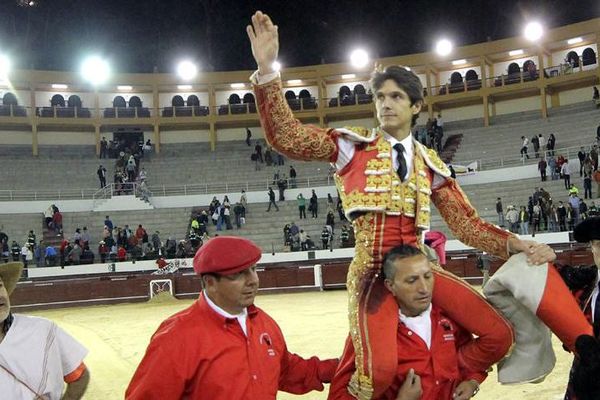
x: 314, y: 323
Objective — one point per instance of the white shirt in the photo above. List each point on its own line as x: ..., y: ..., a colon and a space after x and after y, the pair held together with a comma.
x: 241, y: 317
x: 421, y: 325
x: 594, y: 297
x: 565, y: 169
x: 39, y: 353
x: 525, y: 142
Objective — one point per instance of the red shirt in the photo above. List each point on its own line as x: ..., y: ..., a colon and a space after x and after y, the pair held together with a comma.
x: 439, y: 367
x: 122, y: 254
x: 199, y: 354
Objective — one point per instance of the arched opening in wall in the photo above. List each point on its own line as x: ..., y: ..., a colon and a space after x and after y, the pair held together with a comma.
x: 473, y: 81
x: 308, y: 102
x: 527, y: 65
x: 471, y: 75
x: 135, y: 101
x: 573, y: 59
x: 57, y: 101
x: 119, y: 101
x: 588, y: 56
x: 74, y: 101
x: 361, y: 94
x: 177, y: 101
x: 359, y: 89
x: 193, y: 101
x: 9, y: 99
x: 345, y: 95
x: 304, y: 94
x: 234, y: 99
x: 292, y: 101
x: 513, y: 68
x: 249, y: 98
x: 456, y: 78
x: 290, y: 95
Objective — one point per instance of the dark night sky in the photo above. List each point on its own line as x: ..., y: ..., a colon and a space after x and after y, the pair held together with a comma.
x: 138, y: 35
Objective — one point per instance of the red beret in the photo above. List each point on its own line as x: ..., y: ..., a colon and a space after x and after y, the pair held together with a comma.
x: 226, y: 255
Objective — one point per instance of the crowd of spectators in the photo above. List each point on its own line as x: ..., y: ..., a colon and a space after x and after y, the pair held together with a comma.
x: 431, y: 134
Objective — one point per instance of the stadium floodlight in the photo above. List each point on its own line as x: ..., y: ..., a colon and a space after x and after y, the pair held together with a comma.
x: 513, y: 53
x: 95, y: 70
x: 187, y: 70
x: 459, y: 62
x: 533, y: 31
x: 575, y: 40
x: 276, y: 66
x: 359, y: 58
x: 443, y: 47
x: 4, y: 67
x: 184, y: 87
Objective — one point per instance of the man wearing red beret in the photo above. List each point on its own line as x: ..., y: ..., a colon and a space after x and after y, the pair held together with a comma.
x: 222, y: 346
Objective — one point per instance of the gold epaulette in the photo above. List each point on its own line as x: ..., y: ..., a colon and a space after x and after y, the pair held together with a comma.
x: 359, y: 130
x: 433, y: 160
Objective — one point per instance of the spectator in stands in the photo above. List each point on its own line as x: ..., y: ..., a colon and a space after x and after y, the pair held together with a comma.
x: 573, y: 190
x: 280, y: 159
x: 101, y: 176
x: 39, y: 254
x: 325, y: 237
x: 525, y: 143
x: 203, y: 222
x: 248, y: 136
x: 571, y: 216
x: 87, y: 257
x: 50, y: 256
x: 268, y: 157
x: 583, y: 210
x: 330, y: 204
x: 77, y: 234
x: 15, y: 250
x: 131, y: 169
x: 26, y: 255
x: 588, y: 170
x: 330, y: 221
x: 566, y: 174
x: 141, y: 234
x: 552, y: 218
x: 103, y: 148
x: 226, y: 202
x: 244, y: 203
x: 48, y: 215
x: 171, y: 247
x: 554, y: 172
x: 542, y: 166
x: 535, y: 141
x: 500, y: 211
x: 596, y: 178
x: 340, y: 208
x: 85, y: 237
x: 537, y: 217
x: 594, y: 156
x: 286, y: 235
x: 523, y: 221
x: 121, y: 254
x: 301, y: 205
x: 596, y: 96
x: 103, y: 251
x: 65, y: 249
x: 271, y: 195
x: 561, y: 212
x: 574, y: 201
x: 142, y: 176
x: 512, y: 216
x: 581, y: 156
x: 156, y: 242
x: 292, y: 177
x: 108, y: 223
x: 542, y: 141
x: 57, y: 221
x: 303, y: 238
x: 31, y: 240
x: 227, y: 217
x: 313, y: 205
x: 551, y: 144
x: 345, y: 237
x: 181, y: 249
x: 593, y: 210
x: 258, y: 152
x: 281, y: 186
x: 238, y: 211
x: 75, y: 254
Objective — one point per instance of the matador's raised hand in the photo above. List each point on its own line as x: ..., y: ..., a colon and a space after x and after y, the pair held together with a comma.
x: 264, y: 39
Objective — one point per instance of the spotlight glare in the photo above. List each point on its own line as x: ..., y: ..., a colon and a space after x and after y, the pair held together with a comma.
x: 95, y: 70
x: 533, y: 31
x: 359, y: 58
x: 276, y: 66
x: 443, y: 47
x: 187, y: 70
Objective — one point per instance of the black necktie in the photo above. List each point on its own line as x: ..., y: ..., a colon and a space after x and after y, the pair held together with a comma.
x: 401, y: 161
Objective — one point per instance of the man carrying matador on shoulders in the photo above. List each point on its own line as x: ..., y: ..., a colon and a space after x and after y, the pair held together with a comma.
x: 387, y: 183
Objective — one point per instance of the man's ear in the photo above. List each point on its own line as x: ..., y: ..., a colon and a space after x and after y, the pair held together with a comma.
x: 417, y: 106
x: 388, y: 284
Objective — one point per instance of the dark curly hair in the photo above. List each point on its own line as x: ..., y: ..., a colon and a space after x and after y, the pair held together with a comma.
x: 405, y: 79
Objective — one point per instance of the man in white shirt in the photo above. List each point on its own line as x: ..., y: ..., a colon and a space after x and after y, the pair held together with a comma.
x: 37, y: 357
x: 524, y: 147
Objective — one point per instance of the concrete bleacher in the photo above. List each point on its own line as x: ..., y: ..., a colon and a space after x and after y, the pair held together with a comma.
x: 76, y: 168
x: 573, y: 125
x: 17, y: 226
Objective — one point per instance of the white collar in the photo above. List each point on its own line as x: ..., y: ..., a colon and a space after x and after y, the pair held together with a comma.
x: 222, y: 312
x: 424, y: 314
x: 406, y: 142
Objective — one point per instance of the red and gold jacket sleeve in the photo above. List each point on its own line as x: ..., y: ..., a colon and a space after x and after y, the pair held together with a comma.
x: 300, y: 376
x: 286, y: 134
x: 465, y: 223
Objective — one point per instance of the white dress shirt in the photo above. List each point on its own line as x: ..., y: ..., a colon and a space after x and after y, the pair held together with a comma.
x: 421, y: 325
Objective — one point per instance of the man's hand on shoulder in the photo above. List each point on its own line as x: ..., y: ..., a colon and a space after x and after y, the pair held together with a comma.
x: 465, y: 390
x: 537, y: 253
x: 411, y: 388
